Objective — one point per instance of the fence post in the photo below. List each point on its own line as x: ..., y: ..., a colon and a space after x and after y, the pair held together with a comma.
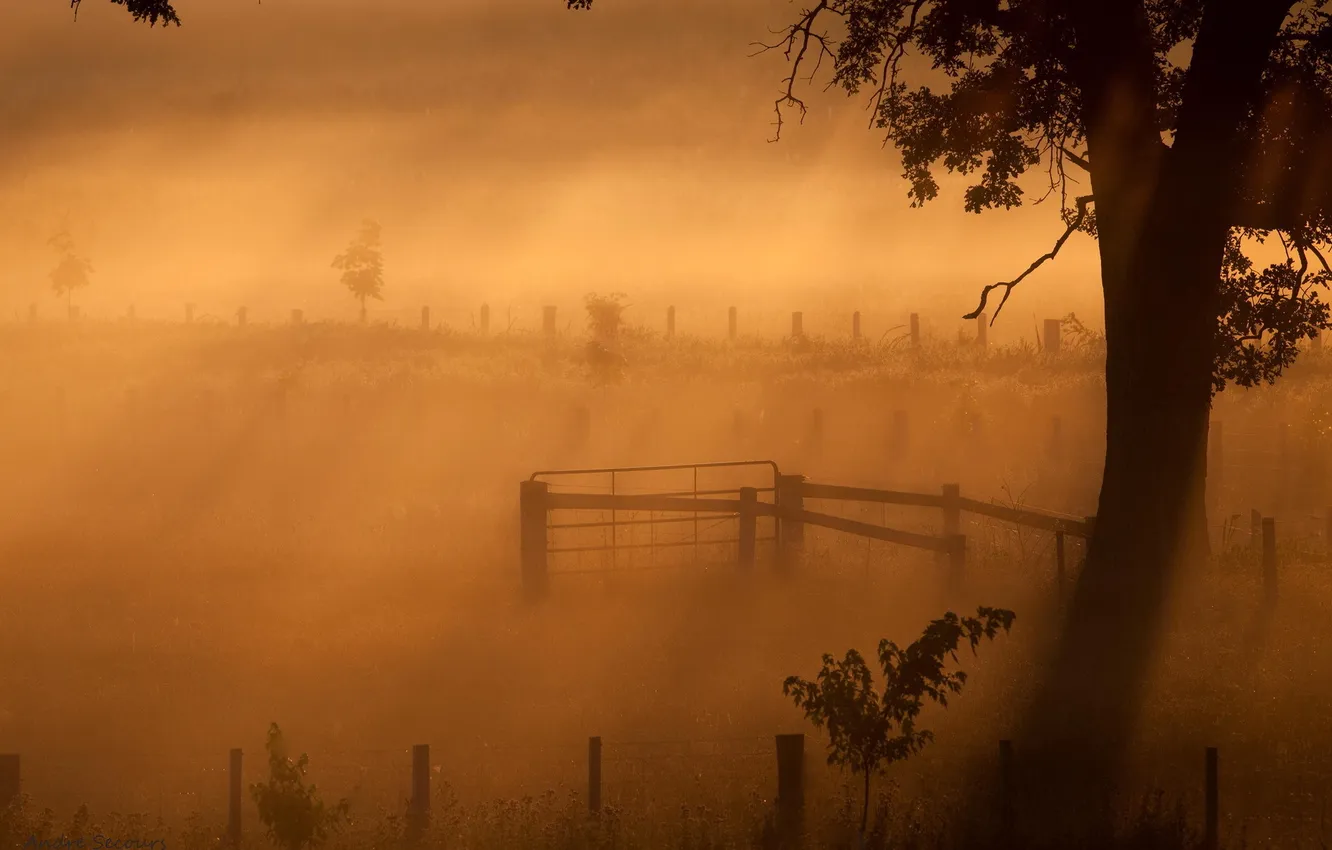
x: 790, y: 532
x: 425, y: 318
x: 952, y: 513
x: 915, y: 330
x: 1255, y: 530
x: 790, y: 776
x: 815, y: 436
x: 1059, y: 563
x: 548, y: 320
x: 731, y: 323
x: 797, y: 325
x: 1269, y: 560
x: 1056, y: 445
x: 532, y: 500
x: 899, y: 433
x: 1006, y: 808
x: 670, y: 322
x: 982, y: 330
x: 855, y: 325
x: 1211, y: 830
x: 748, y: 526
x: 189, y: 314
x: 952, y: 523
x: 241, y: 316
x: 957, y: 558
x: 234, y: 798
x: 485, y: 319
x: 419, y: 808
x: 10, y: 786
x: 1052, y: 336
x: 594, y: 775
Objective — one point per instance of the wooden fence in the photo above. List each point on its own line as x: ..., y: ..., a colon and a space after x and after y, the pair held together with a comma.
x: 536, y: 501
x: 1049, y: 342
x: 789, y: 800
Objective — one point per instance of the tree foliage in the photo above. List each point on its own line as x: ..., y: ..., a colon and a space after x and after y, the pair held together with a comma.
x: 290, y: 810
x: 870, y: 729
x: 152, y: 11
x: 1004, y: 89
x: 72, y: 269
x: 362, y: 265
x: 605, y: 314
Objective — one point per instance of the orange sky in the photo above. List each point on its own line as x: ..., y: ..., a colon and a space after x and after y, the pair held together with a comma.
x: 514, y: 151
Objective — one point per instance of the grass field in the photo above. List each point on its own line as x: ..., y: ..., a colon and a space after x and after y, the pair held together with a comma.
x: 211, y: 528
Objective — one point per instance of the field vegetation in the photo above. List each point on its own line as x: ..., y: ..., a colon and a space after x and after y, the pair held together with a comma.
x: 213, y: 528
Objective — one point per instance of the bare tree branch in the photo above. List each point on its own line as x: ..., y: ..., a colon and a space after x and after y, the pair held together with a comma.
x: 1077, y: 221
x: 798, y: 40
x: 1080, y: 160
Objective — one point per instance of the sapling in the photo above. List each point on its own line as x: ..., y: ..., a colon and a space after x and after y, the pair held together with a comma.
x: 362, y: 265
x: 71, y: 272
x: 869, y: 730
x: 291, y: 811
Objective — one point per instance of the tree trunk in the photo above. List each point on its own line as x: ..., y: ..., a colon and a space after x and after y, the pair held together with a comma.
x: 864, y: 808
x: 1161, y: 280
x: 362, y: 309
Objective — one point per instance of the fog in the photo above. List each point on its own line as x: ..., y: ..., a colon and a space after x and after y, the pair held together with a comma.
x: 210, y: 527
x: 515, y: 153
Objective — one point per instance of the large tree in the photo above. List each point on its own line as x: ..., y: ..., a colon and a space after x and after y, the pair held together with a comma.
x: 151, y: 11
x: 1197, y: 127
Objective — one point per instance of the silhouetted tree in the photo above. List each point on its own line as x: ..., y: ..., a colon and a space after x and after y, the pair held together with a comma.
x: 605, y: 315
x: 1175, y: 133
x: 289, y: 809
x: 362, y: 265
x: 71, y: 272
x: 868, y: 732
x: 151, y: 11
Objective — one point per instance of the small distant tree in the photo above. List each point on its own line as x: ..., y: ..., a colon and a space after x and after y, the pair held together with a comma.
x: 868, y: 731
x: 362, y: 265
x: 72, y: 270
x: 291, y: 811
x: 605, y: 313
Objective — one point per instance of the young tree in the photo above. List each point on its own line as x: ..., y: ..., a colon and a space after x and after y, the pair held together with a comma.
x: 867, y: 731
x: 362, y: 266
x: 1174, y: 132
x: 605, y: 315
x: 291, y: 811
x: 72, y: 270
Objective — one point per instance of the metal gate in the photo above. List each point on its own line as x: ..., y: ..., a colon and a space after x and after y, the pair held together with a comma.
x: 589, y: 540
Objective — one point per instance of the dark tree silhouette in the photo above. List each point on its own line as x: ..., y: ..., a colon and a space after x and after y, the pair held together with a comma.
x: 151, y: 11
x: 1172, y: 131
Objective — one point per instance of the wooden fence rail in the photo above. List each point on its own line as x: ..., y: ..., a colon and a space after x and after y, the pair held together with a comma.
x: 536, y: 502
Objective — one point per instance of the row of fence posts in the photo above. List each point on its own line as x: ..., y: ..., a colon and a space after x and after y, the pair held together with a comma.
x: 1051, y: 341
x: 790, y: 799
x: 548, y: 326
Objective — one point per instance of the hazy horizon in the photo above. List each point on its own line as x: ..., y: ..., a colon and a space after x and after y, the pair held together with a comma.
x: 227, y: 161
